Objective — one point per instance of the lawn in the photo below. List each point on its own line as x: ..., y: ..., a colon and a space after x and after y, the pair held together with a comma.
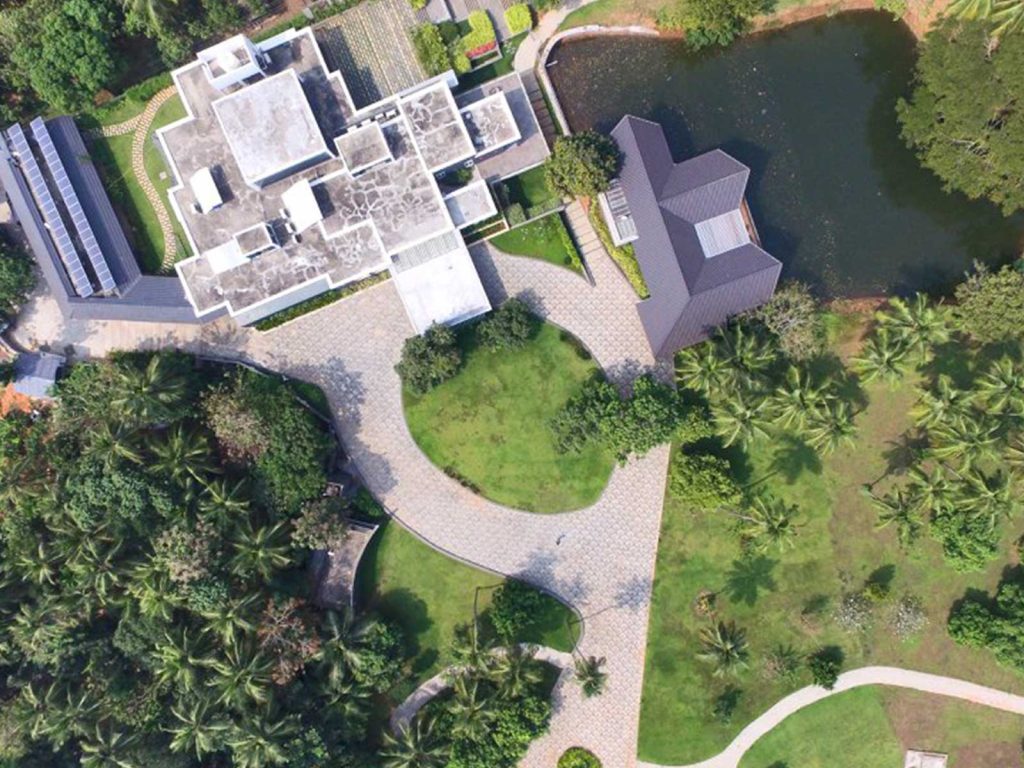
x: 872, y: 727
x: 787, y: 599
x: 113, y: 157
x: 428, y: 595
x: 643, y: 12
x: 488, y: 426
x: 530, y: 188
x: 546, y: 239
x: 172, y: 110
x: 503, y: 66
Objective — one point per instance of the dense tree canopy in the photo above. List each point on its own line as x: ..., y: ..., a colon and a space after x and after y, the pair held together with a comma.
x: 582, y: 164
x: 962, y: 118
x: 16, y: 278
x: 711, y: 22
x: 990, y: 305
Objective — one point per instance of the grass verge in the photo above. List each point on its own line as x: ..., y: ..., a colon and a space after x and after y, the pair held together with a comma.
x: 318, y: 302
x: 546, y: 239
x: 488, y: 427
x: 623, y: 256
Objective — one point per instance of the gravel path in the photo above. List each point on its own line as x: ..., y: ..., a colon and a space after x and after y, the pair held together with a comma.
x: 891, y: 676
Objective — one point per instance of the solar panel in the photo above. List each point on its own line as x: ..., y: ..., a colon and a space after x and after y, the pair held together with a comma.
x: 73, y: 205
x: 54, y: 223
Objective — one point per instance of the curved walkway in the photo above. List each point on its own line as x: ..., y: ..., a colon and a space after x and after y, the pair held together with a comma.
x: 891, y: 676
x: 440, y: 682
x: 141, y: 134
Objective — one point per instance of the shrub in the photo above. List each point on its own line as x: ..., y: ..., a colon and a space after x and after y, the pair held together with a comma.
x: 970, y: 624
x: 515, y: 215
x: 793, y: 316
x: 898, y: 8
x: 481, y: 32
x: 514, y: 609
x: 577, y: 757
x: 623, y: 256
x: 518, y: 18
x: 855, y: 613
x: 907, y: 617
x: 16, y: 278
x: 782, y: 663
x: 825, y: 666
x: 321, y: 525
x: 582, y: 164
x: 703, y: 481
x: 6, y: 373
x: 430, y: 359
x: 990, y: 305
x: 509, y: 327
x: 725, y: 704
x: 430, y: 49
x: 418, y: 5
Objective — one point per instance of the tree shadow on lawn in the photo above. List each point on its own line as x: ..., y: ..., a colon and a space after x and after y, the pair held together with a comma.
x: 793, y: 457
x: 746, y: 578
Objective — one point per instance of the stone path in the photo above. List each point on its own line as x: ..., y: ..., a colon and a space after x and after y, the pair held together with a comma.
x: 439, y: 683
x: 891, y: 676
x: 141, y: 135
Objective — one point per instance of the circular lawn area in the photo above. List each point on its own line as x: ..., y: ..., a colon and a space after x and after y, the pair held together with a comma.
x: 488, y: 426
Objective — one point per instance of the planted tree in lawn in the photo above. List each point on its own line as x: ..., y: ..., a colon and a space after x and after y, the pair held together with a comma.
x: 768, y: 523
x: 703, y: 481
x: 582, y: 164
x: 724, y: 646
x: 915, y: 323
x: 430, y: 359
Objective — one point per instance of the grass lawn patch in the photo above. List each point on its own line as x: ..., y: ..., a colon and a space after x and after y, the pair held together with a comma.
x: 429, y: 594
x: 126, y: 106
x: 153, y: 160
x: 488, y: 426
x: 788, y: 599
x: 529, y: 189
x: 852, y: 724
x: 503, y: 66
x: 546, y: 239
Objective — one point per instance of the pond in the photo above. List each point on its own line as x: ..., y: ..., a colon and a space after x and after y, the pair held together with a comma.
x: 836, y: 195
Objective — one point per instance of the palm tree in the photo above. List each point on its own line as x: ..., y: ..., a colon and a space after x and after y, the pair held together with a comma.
x: 414, y: 746
x: 917, y: 323
x: 98, y: 568
x: 930, y: 489
x: 225, y: 502
x: 177, y: 661
x: 740, y: 422
x: 260, y: 551
x: 196, y: 730
x: 472, y: 710
x: 515, y: 672
x: 147, y: 396
x: 151, y: 587
x: 109, y: 748
x: 589, y: 673
x: 991, y: 497
x: 112, y: 442
x: 258, y: 741
x: 768, y: 523
x: 1002, y: 388
x: 882, y: 357
x: 797, y: 397
x: 970, y: 438
x: 831, y: 426
x: 232, y: 617
x: 182, y: 455
x: 38, y: 565
x: 242, y: 676
x: 724, y: 646
x: 702, y: 367
x: 899, y: 509
x: 342, y: 645
x: 745, y: 354
x: 58, y: 715
x: 943, y: 404
x: 1008, y: 15
x: 152, y: 12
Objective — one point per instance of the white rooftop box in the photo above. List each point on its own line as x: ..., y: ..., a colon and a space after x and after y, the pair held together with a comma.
x: 230, y: 61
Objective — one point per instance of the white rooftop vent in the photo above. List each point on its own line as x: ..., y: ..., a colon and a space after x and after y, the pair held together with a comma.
x: 205, y: 189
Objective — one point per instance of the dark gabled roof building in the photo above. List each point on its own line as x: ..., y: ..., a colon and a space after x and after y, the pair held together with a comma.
x: 692, y: 233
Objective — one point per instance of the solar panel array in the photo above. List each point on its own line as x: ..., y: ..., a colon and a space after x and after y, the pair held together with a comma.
x: 58, y: 232
x: 73, y: 205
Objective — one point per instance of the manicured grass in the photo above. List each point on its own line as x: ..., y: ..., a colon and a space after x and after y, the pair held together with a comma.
x: 530, y: 188
x: 428, y: 595
x: 837, y: 549
x: 489, y: 425
x: 852, y: 725
x: 503, y: 66
x: 546, y: 239
x: 172, y: 110
x: 127, y: 105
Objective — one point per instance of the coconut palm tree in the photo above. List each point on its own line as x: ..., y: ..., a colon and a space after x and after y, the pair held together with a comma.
x: 177, y: 660
x: 901, y: 510
x: 942, y: 404
x: 59, y: 714
x: 831, y: 426
x: 37, y: 565
x: 262, y: 550
x: 471, y: 708
x: 589, y: 673
x: 98, y: 568
x: 745, y: 353
x: 971, y: 438
x: 931, y: 490
x: 153, y: 591
x: 242, y: 676
x: 182, y: 455
x: 703, y: 368
x: 882, y: 358
x: 111, y: 443
x: 916, y: 322
x: 343, y: 639
x: 991, y: 497
x: 223, y: 501
x: 109, y: 747
x: 1002, y: 388
x: 232, y: 618
x: 414, y: 746
x: 739, y: 421
x: 1007, y: 15
x: 258, y: 741
x: 768, y: 523
x: 516, y: 671
x: 724, y: 646
x: 147, y: 396
x: 796, y: 398
x: 196, y: 729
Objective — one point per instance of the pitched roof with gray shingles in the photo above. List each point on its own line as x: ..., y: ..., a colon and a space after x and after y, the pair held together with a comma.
x: 691, y: 291
x: 36, y: 373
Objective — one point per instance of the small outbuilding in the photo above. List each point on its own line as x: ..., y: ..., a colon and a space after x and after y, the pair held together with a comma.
x: 917, y: 759
x: 35, y: 373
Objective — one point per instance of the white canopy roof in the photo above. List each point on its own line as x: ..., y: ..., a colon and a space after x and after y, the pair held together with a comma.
x: 301, y: 205
x: 205, y: 189
x: 445, y: 289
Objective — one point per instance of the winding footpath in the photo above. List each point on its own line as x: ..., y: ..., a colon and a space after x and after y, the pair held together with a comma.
x: 891, y: 676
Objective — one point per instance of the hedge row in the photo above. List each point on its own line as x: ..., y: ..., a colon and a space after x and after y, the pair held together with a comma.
x: 621, y: 255
x: 317, y: 302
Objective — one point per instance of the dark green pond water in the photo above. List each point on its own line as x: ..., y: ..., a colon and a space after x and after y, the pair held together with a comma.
x: 836, y: 195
